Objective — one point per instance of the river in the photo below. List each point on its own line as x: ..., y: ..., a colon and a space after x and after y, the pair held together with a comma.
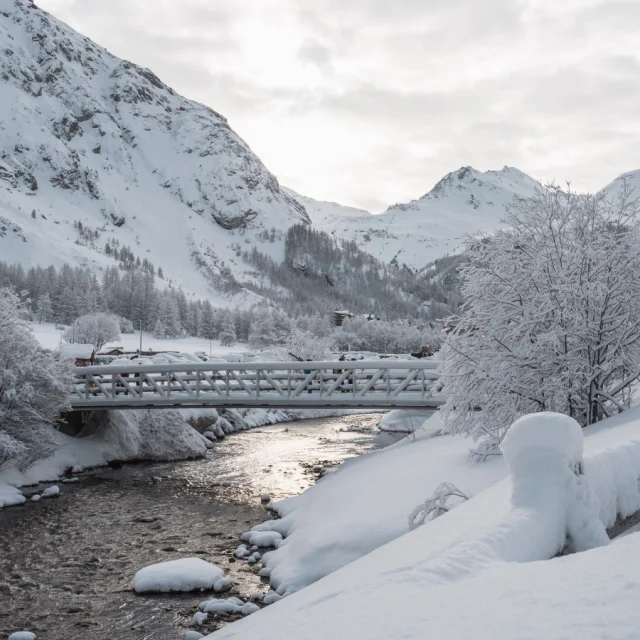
x: 67, y: 563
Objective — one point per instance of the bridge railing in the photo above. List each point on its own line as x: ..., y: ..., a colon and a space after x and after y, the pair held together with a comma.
x: 278, y: 384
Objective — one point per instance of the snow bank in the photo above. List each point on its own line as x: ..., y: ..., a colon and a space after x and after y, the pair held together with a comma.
x: 556, y: 498
x: 146, y: 435
x: 10, y: 496
x: 365, y: 504
x: 404, y: 420
x: 109, y: 435
x: 186, y: 574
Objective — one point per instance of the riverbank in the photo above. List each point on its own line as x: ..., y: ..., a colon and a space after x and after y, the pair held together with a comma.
x: 439, y: 578
x: 142, y: 435
x: 67, y: 564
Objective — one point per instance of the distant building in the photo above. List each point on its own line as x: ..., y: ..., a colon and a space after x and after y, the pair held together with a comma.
x: 339, y: 316
x: 113, y: 351
x: 83, y: 355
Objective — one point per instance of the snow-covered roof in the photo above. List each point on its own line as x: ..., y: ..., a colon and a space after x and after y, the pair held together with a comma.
x: 81, y: 351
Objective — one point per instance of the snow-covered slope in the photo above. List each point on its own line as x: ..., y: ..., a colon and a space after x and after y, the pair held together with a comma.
x: 415, y: 233
x: 85, y: 136
x: 631, y: 179
x: 324, y: 213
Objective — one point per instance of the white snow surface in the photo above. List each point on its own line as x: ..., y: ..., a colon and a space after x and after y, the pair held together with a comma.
x: 50, y: 492
x: 185, y: 574
x: 404, y: 420
x: 365, y: 504
x: 494, y: 549
x: 10, y: 496
x: 22, y: 635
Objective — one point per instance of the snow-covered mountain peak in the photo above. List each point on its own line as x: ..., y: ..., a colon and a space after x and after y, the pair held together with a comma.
x: 420, y: 231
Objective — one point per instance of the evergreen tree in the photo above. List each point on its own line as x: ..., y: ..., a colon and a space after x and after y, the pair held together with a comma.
x: 208, y: 321
x: 263, y: 334
x: 44, y: 309
x: 159, y: 330
x: 228, y: 332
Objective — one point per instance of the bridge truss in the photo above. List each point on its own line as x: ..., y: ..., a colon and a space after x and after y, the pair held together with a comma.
x: 367, y: 384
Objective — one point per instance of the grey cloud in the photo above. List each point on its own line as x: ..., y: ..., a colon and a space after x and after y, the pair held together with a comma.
x: 315, y: 53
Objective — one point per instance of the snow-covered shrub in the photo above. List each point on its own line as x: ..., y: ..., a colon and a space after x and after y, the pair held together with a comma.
x: 307, y: 346
x: 10, y: 448
x: 94, y: 328
x: 444, y: 498
x: 551, y: 320
x: 34, y: 387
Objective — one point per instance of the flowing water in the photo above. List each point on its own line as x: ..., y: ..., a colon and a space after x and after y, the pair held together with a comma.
x: 67, y: 564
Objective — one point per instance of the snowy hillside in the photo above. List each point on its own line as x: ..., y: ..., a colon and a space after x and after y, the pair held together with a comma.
x: 631, y: 179
x: 422, y: 230
x: 324, y: 213
x: 85, y: 136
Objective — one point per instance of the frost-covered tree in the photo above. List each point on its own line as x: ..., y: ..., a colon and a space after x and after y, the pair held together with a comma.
x: 207, y: 321
x: 34, y: 388
x: 44, y: 309
x: 307, y: 346
x: 126, y: 326
x: 552, y: 315
x: 169, y: 314
x: 263, y: 334
x: 96, y: 329
x: 159, y: 330
x: 228, y: 332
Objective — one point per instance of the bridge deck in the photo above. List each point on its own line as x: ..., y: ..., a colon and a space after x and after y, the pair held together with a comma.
x: 362, y: 384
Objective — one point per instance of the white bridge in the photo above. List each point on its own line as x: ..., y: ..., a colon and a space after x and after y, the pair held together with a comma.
x: 366, y: 384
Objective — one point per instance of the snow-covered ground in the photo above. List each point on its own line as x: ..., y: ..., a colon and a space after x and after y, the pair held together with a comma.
x: 481, y: 570
x: 50, y: 337
x: 366, y: 503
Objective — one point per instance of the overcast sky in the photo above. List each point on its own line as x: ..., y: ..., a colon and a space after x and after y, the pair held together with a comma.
x: 371, y: 102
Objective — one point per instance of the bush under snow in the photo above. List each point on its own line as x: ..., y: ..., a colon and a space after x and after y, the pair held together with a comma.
x: 34, y: 385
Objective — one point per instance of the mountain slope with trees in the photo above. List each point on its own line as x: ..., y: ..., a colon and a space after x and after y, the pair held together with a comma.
x: 92, y: 140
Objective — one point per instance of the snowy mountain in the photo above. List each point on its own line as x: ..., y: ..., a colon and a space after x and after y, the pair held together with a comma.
x: 423, y: 230
x: 88, y: 138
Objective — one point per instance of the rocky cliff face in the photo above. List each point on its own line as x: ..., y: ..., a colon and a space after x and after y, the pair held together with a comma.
x: 87, y: 136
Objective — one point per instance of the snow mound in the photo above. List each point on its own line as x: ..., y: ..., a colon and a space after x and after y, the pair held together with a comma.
x: 51, y: 492
x: 10, y: 496
x: 545, y: 430
x: 22, y: 635
x: 217, y: 605
x: 222, y: 584
x: 186, y: 574
x: 262, y: 538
